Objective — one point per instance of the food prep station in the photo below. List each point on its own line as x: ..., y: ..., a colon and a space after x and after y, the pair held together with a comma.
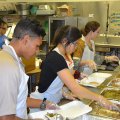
x: 110, y: 89
x: 110, y: 86
x: 87, y: 109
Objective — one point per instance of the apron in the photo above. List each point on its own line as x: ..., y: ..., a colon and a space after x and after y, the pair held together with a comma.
x: 54, y: 92
x: 21, y: 109
x: 88, y: 55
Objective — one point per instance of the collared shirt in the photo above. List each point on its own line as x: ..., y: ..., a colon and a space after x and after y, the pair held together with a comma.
x: 14, y: 84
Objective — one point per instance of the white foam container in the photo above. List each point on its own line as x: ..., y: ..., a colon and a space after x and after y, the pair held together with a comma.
x: 70, y: 110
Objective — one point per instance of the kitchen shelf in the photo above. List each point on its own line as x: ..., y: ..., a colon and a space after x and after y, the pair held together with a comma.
x: 27, y: 15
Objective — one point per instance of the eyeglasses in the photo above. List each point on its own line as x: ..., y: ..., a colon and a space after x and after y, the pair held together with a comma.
x: 74, y: 43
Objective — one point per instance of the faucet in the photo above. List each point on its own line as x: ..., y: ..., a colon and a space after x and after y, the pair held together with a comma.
x: 107, y: 25
x: 107, y: 39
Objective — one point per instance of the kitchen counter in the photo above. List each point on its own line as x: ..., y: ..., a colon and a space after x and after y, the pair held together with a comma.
x: 98, y: 90
x: 105, y: 45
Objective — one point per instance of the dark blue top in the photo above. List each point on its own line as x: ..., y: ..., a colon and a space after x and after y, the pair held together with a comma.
x: 2, y: 41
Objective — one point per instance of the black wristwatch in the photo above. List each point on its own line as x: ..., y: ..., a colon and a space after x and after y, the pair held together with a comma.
x: 43, y: 104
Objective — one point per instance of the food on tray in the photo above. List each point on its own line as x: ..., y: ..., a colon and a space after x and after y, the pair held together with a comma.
x: 112, y: 94
x: 118, y: 76
x: 115, y: 82
x: 54, y: 116
x: 100, y: 111
x: 94, y: 83
x: 51, y: 114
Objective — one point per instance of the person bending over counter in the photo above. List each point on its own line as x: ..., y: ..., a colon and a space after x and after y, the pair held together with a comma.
x: 84, y: 56
x: 27, y: 38
x: 55, y: 71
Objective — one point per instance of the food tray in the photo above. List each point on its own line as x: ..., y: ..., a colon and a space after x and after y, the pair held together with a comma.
x: 74, y: 109
x: 111, y: 93
x: 95, y: 79
x: 70, y: 110
x: 102, y: 112
x: 115, y: 82
x: 91, y: 81
x: 101, y: 75
x: 118, y: 76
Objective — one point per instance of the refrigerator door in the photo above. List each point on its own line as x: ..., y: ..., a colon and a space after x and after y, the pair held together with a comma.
x: 82, y: 22
x: 57, y: 22
x: 71, y: 21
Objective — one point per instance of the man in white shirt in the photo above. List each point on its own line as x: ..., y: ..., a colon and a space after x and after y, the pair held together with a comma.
x: 27, y: 38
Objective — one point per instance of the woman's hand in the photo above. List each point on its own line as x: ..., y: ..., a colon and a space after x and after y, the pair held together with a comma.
x: 107, y: 104
x: 91, y: 64
x: 83, y: 75
x: 51, y: 106
x: 111, y: 58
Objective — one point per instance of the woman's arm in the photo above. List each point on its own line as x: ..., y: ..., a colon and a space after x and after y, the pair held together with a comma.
x: 78, y: 90
x: 99, y: 59
x: 90, y: 63
x: 82, y: 92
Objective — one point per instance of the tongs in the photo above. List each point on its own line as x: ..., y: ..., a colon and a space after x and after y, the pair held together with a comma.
x: 116, y: 109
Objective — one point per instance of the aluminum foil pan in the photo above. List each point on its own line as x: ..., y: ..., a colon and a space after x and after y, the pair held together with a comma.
x: 102, y: 112
x: 111, y: 93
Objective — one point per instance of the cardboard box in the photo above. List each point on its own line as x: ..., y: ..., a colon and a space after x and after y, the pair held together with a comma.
x: 29, y: 64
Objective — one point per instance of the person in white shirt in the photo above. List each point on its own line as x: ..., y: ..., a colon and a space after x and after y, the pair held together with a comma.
x: 84, y: 55
x: 56, y: 70
x: 27, y: 38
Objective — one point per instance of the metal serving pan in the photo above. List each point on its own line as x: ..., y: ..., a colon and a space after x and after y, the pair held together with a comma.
x: 114, y: 82
x: 111, y: 93
x: 104, y: 113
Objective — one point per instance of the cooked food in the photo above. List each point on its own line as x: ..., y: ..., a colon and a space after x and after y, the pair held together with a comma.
x: 51, y: 114
x: 99, y: 111
x: 94, y: 83
x: 118, y: 76
x: 115, y: 82
x: 112, y: 94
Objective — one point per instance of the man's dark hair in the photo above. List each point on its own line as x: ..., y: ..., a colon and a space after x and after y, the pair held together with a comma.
x: 30, y: 27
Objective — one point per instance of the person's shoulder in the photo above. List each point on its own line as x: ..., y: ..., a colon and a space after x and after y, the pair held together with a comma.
x: 54, y: 55
x: 81, y: 42
x: 54, y: 58
x: 5, y: 57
